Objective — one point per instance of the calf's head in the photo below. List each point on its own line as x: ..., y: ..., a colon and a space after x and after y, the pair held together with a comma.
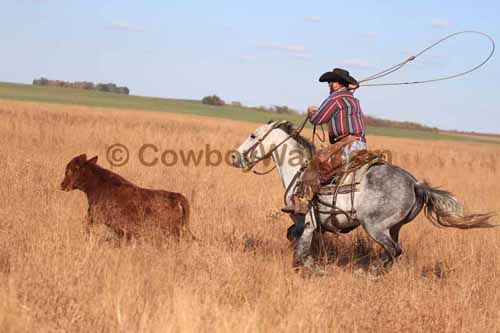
x: 77, y: 173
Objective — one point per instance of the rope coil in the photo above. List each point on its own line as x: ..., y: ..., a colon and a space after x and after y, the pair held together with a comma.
x: 397, y: 67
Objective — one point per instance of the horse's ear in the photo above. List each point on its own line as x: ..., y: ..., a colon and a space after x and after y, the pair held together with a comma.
x: 270, y: 122
x: 93, y: 160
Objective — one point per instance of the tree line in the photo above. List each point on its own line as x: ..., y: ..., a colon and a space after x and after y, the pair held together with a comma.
x: 104, y: 87
x: 217, y: 101
x: 369, y: 120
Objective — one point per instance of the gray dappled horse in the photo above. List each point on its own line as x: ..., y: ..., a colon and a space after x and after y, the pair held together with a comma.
x: 388, y: 197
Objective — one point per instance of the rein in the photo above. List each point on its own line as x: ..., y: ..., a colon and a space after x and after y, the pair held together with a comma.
x: 251, y: 150
x: 320, y: 139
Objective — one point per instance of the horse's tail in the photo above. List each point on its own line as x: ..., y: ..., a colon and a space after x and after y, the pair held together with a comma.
x: 444, y: 210
x: 186, y: 213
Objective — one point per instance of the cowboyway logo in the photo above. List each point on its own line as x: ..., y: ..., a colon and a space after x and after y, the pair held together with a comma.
x: 150, y: 155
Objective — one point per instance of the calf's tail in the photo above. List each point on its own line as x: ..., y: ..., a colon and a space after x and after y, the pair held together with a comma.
x: 186, y: 213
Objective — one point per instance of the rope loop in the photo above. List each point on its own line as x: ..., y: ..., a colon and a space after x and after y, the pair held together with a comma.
x: 397, y: 67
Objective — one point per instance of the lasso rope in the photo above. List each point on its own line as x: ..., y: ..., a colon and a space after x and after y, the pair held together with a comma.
x: 413, y: 57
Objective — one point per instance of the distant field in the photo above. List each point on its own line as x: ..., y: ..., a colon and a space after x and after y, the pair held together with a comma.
x: 24, y: 92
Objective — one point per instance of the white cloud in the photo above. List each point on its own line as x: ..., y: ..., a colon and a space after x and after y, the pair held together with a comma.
x: 356, y: 63
x: 312, y: 19
x: 302, y: 56
x: 440, y: 24
x: 126, y: 26
x: 294, y: 49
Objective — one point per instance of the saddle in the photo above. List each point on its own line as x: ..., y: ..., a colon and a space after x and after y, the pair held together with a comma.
x: 328, y: 175
x: 349, y: 180
x: 328, y: 161
x: 327, y: 165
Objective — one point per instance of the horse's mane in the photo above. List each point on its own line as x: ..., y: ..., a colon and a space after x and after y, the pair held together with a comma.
x: 288, y: 128
x: 107, y: 175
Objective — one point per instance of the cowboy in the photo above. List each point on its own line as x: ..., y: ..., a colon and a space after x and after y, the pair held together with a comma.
x: 342, y: 113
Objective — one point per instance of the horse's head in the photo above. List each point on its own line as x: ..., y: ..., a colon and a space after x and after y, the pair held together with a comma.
x: 259, y: 145
x: 275, y: 136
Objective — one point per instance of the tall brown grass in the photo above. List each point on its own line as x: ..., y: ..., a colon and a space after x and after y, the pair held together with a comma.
x: 239, y: 277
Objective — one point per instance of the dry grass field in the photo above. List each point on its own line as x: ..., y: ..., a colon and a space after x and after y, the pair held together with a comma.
x: 238, y: 278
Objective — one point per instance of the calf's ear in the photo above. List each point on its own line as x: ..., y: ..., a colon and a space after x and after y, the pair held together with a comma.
x: 81, y: 158
x: 93, y: 160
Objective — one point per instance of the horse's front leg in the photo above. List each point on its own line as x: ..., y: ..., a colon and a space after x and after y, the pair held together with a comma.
x: 302, y: 246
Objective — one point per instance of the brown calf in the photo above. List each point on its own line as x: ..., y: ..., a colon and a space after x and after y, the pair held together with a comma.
x: 122, y: 206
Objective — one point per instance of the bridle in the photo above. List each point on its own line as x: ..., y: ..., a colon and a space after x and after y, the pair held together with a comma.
x: 249, y: 165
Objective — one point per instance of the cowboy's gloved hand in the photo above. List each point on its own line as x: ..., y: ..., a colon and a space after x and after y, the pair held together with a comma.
x: 311, y: 110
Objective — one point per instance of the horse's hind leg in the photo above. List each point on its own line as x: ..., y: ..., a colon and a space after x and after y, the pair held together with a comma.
x: 385, y: 238
x: 394, y: 230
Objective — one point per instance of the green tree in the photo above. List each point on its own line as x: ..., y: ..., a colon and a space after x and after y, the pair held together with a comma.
x: 213, y: 100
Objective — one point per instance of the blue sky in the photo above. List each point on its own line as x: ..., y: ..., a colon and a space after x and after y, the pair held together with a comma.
x: 263, y: 52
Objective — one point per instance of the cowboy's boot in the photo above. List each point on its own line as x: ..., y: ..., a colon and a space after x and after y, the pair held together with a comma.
x: 301, y: 200
x: 288, y: 209
x: 300, y: 205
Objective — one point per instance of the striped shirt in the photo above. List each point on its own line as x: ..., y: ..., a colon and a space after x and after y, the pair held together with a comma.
x: 342, y: 113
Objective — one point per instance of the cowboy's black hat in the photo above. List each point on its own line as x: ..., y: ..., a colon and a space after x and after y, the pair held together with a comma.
x: 338, y: 75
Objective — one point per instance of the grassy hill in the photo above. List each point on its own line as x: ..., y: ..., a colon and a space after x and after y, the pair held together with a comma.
x: 24, y: 92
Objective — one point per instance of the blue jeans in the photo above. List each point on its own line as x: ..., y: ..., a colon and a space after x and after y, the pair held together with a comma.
x: 349, y: 149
